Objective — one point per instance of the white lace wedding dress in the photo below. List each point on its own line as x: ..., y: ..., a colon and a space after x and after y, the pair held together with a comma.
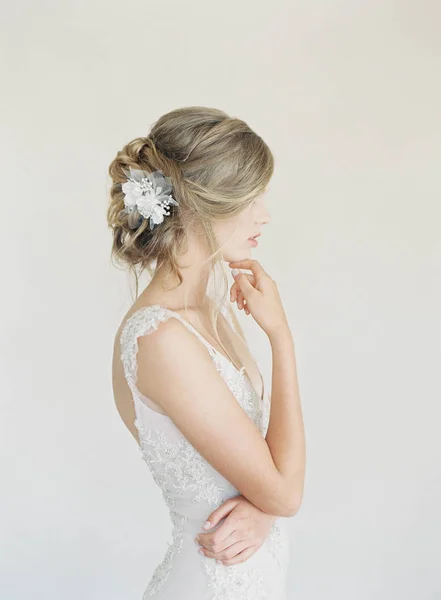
x: 192, y: 488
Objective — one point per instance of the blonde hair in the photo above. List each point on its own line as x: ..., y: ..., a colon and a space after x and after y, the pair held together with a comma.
x: 217, y: 165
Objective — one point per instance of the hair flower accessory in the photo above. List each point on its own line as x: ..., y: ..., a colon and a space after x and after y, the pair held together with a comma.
x: 147, y: 195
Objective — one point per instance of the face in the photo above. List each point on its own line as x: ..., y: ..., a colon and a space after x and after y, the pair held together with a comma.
x: 234, y: 235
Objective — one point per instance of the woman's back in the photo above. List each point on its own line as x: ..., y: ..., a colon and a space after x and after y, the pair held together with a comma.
x: 192, y: 488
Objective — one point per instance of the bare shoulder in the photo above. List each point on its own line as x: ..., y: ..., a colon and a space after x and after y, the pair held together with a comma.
x: 171, y: 340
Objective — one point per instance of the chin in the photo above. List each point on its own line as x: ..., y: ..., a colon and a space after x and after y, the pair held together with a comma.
x: 237, y: 252
x: 231, y: 257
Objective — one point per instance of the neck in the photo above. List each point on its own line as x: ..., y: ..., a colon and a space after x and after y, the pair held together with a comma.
x: 192, y: 292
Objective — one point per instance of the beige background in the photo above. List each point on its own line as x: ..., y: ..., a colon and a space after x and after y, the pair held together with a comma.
x: 347, y: 95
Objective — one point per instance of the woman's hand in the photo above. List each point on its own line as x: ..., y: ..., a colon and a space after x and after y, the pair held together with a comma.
x: 242, y: 533
x: 258, y: 295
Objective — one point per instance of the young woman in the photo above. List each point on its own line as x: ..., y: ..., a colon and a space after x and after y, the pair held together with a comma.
x: 185, y: 201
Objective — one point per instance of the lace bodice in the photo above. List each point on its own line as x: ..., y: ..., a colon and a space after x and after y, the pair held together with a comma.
x: 192, y: 488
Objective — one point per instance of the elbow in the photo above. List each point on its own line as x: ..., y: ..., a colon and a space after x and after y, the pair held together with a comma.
x: 292, y: 506
x: 290, y: 510
x: 294, y: 498
x: 288, y: 506
x: 283, y: 501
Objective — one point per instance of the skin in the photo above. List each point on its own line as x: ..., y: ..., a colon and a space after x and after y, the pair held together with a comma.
x: 242, y: 533
x: 242, y: 526
x: 245, y: 527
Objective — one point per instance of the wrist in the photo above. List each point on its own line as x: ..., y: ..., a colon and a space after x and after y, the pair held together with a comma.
x: 280, y: 334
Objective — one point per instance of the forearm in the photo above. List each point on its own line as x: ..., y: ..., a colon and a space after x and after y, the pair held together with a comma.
x: 285, y: 436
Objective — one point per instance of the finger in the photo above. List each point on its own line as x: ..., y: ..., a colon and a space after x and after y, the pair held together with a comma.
x: 248, y: 263
x: 240, y: 300
x: 242, y: 556
x: 217, y: 545
x: 220, y: 512
x: 235, y: 287
x: 250, y: 276
x: 245, y: 285
x: 228, y: 553
x: 222, y: 533
x: 223, y: 536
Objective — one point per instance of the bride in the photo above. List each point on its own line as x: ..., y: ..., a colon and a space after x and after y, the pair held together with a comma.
x: 229, y: 457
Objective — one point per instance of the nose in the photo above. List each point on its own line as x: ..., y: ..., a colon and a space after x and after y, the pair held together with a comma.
x: 264, y: 217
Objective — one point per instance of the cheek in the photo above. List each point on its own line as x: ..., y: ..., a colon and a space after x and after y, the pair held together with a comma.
x: 223, y: 230
x: 231, y: 237
x: 229, y: 232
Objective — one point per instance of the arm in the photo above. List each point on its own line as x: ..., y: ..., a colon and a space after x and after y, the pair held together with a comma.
x: 285, y: 435
x: 213, y: 422
x: 286, y: 421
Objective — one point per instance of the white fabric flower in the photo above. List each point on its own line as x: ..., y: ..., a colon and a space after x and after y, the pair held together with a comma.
x: 147, y: 194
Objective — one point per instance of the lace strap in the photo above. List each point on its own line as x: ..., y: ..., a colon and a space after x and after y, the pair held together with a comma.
x: 142, y: 322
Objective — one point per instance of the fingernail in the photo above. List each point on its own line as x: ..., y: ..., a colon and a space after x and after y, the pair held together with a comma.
x: 234, y: 272
x: 207, y: 525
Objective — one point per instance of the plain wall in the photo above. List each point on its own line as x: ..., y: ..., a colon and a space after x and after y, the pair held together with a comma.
x: 347, y: 95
